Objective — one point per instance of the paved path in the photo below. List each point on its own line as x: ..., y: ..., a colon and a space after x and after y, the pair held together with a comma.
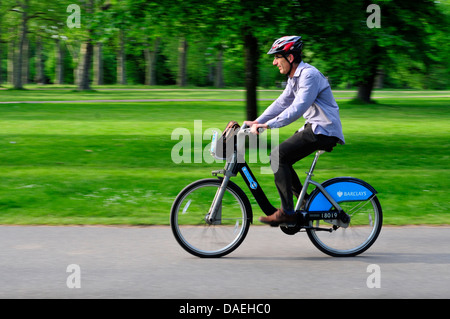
x: 146, y: 262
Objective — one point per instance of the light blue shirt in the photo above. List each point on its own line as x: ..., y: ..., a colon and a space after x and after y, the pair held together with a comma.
x: 307, y: 94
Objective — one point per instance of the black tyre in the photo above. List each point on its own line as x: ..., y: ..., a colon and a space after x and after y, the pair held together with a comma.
x: 366, y: 219
x: 202, y: 239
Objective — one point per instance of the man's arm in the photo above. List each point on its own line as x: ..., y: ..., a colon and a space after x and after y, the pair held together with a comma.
x: 278, y: 106
x: 308, y: 89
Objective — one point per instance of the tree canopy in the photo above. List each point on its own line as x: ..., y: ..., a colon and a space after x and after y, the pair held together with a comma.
x: 356, y: 44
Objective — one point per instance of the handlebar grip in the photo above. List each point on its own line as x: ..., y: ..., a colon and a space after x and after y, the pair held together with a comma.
x: 246, y: 128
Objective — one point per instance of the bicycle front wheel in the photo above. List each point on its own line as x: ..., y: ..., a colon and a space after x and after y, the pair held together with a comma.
x: 204, y: 239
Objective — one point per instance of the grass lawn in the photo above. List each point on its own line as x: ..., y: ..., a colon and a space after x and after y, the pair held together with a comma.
x: 110, y: 163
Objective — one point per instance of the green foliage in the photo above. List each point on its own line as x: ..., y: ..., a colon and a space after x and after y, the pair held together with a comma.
x: 406, y: 47
x: 412, y: 41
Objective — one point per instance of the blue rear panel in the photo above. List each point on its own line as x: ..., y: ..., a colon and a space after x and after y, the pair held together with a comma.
x: 340, y: 191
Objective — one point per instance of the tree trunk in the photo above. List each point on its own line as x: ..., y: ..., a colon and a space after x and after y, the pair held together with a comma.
x: 1, y: 54
x: 39, y: 78
x: 26, y: 61
x: 75, y: 53
x: 121, y: 72
x: 98, y: 64
x: 151, y: 52
x: 85, y: 65
x: 85, y: 57
x: 366, y: 85
x: 77, y: 69
x: 365, y: 90
x: 251, y: 74
x: 12, y: 60
x: 1, y: 47
x: 18, y: 84
x: 379, y: 79
x: 59, y: 69
x: 182, y: 60
x: 218, y: 78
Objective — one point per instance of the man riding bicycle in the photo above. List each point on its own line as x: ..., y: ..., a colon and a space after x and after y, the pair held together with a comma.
x: 307, y: 94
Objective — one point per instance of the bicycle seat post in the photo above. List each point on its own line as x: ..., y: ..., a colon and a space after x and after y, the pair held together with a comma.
x: 313, y: 165
x: 309, y: 174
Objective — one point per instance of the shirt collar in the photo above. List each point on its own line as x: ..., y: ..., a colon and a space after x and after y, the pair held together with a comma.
x: 299, y: 69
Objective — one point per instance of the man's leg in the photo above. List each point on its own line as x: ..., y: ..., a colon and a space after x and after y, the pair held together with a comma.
x: 296, y: 184
x: 298, y: 146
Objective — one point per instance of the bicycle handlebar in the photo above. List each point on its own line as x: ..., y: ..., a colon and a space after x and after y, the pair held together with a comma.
x: 245, y: 129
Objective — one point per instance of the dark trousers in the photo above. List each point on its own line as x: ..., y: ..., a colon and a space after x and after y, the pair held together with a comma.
x: 298, y: 146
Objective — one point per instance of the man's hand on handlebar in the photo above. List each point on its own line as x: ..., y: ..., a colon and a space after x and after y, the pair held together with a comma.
x: 255, y: 127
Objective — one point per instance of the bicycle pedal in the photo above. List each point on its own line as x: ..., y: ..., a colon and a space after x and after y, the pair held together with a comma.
x: 282, y: 224
x: 289, y: 225
x: 291, y: 230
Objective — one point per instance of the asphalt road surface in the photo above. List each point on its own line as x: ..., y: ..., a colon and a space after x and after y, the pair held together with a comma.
x: 146, y: 262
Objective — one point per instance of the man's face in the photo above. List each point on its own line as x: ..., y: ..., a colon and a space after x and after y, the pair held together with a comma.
x: 281, y: 63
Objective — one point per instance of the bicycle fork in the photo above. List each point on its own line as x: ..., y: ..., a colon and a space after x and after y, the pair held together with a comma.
x: 214, y: 216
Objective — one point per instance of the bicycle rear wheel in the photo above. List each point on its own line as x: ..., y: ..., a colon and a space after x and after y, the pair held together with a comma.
x: 204, y: 239
x: 364, y: 228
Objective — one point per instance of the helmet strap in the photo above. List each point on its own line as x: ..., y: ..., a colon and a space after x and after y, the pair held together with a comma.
x: 290, y: 63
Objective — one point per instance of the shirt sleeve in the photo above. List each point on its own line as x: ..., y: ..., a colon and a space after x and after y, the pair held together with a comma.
x: 279, y: 105
x: 307, y: 91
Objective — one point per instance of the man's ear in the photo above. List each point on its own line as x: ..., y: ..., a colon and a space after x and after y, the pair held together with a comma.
x: 291, y: 58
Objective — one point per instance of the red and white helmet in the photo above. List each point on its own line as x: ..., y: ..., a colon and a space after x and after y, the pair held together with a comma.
x: 287, y: 45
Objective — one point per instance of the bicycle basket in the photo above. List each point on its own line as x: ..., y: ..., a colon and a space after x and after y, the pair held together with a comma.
x: 224, y: 146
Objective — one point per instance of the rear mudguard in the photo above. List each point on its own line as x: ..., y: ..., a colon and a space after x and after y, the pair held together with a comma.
x: 341, y: 189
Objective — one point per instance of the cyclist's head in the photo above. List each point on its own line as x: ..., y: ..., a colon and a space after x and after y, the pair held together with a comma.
x: 288, y: 45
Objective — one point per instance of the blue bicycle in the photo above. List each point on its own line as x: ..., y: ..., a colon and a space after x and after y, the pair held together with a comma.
x: 211, y: 217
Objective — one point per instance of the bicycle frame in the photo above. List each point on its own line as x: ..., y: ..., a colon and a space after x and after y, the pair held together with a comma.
x: 237, y: 164
x: 215, y: 229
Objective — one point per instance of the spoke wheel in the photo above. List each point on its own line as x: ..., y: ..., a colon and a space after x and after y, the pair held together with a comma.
x: 364, y: 228
x: 210, y: 239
